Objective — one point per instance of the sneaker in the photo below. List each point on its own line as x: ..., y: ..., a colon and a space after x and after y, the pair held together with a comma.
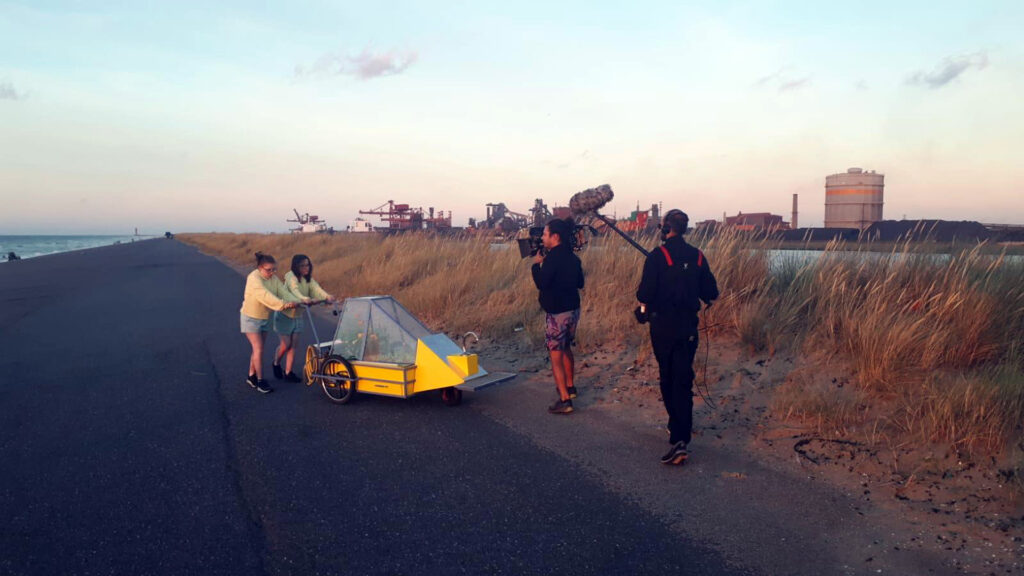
x: 291, y: 377
x: 251, y: 380
x: 677, y: 454
x: 263, y: 388
x: 561, y: 407
x: 572, y: 392
x: 278, y: 373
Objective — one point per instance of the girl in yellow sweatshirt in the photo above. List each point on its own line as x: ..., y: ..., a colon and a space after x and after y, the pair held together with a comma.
x: 288, y: 323
x: 264, y: 293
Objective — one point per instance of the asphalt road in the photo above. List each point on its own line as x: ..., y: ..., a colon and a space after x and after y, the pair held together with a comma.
x: 130, y: 444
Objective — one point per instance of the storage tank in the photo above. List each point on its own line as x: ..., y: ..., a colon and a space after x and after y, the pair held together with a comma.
x: 853, y: 199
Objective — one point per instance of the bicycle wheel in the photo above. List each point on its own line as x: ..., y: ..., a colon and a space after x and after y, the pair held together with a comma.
x: 312, y: 363
x: 342, y: 390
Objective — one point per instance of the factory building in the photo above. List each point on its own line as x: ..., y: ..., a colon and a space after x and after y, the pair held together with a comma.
x: 755, y: 221
x: 641, y: 220
x: 750, y: 222
x: 853, y: 199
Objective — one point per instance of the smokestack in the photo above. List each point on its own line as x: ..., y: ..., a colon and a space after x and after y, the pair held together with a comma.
x: 794, y: 225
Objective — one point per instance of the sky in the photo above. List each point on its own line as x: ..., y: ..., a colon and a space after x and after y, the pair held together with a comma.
x: 199, y: 116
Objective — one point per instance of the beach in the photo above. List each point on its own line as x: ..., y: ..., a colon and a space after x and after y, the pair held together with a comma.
x: 32, y: 246
x: 132, y: 445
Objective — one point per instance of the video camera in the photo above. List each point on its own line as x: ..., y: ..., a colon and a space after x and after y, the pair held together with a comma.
x: 532, y: 244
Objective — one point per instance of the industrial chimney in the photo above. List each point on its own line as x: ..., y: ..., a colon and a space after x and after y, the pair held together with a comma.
x: 793, y: 224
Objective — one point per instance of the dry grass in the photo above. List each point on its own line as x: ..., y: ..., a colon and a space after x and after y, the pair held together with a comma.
x: 452, y: 284
x: 935, y: 339
x: 830, y: 410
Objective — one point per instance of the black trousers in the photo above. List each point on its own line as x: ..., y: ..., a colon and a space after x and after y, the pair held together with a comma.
x: 674, y: 349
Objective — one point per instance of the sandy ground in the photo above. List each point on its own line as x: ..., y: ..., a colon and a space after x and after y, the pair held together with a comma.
x: 961, y: 513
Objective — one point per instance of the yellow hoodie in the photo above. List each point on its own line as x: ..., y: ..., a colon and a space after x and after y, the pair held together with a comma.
x: 262, y: 296
x: 302, y: 290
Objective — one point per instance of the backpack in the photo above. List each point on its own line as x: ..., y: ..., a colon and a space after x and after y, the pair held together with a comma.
x: 684, y: 284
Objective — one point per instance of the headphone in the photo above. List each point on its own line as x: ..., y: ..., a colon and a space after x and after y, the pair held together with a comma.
x: 675, y: 219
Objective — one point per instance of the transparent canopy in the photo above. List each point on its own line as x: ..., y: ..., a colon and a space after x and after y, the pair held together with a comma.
x: 377, y: 329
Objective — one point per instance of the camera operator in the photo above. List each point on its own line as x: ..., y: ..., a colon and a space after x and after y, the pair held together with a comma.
x: 558, y: 274
x: 676, y: 278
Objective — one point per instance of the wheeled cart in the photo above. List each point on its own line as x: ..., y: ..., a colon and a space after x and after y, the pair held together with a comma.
x: 380, y: 348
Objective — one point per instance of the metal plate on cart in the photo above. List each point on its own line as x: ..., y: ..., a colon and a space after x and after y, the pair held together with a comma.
x: 486, y: 380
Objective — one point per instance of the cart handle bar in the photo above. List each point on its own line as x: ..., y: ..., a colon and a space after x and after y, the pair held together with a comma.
x: 476, y: 339
x: 309, y: 315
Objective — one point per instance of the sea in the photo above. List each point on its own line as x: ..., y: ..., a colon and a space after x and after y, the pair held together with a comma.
x: 34, y: 246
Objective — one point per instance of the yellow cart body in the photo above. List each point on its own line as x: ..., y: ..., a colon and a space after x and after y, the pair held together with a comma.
x: 392, y: 353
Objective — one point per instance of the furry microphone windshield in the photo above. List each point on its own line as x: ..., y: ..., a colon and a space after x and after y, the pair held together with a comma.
x: 590, y: 200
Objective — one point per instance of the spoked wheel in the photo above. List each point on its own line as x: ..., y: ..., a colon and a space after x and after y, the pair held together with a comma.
x: 338, y: 391
x: 312, y: 363
x: 451, y: 396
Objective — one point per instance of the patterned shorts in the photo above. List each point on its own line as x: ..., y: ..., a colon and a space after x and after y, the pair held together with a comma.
x: 560, y: 330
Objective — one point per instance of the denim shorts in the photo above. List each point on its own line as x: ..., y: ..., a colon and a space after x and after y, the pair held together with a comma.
x: 252, y: 325
x: 285, y: 325
x: 560, y: 329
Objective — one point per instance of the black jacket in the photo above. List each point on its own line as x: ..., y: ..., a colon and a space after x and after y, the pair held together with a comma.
x: 559, y: 280
x: 674, y: 293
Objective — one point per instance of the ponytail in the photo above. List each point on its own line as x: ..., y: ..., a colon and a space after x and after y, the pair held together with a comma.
x: 262, y: 259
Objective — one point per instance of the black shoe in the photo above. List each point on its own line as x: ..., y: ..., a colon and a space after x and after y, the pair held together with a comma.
x: 561, y: 407
x: 278, y: 373
x: 677, y: 454
x: 251, y: 380
x: 572, y: 392
x: 291, y: 377
x: 263, y: 388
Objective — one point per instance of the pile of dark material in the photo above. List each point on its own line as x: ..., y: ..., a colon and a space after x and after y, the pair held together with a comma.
x: 1007, y: 233
x: 927, y: 230
x: 820, y: 234
x: 899, y: 231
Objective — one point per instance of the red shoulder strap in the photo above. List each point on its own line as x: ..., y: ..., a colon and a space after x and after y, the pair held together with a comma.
x: 667, y: 257
x: 700, y: 258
